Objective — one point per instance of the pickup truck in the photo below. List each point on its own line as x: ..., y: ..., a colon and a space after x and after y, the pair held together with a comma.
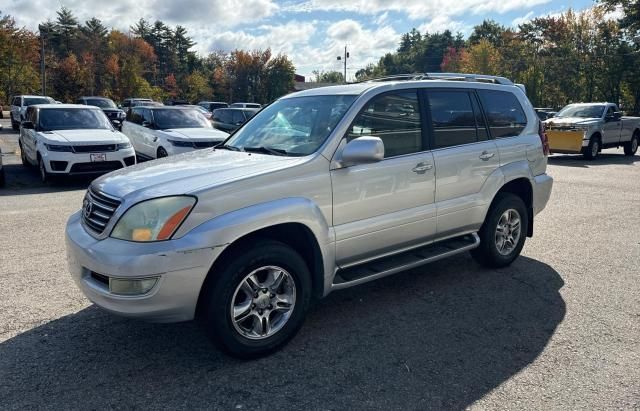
x: 587, y: 128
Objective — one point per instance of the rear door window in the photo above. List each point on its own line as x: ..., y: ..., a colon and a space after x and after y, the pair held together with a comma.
x: 393, y: 117
x: 504, y: 113
x: 453, y: 118
x: 223, y: 116
x: 136, y: 115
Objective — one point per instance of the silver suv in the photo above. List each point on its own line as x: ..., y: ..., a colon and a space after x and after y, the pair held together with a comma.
x: 322, y: 190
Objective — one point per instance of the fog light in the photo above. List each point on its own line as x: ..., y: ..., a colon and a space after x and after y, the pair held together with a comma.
x: 123, y: 286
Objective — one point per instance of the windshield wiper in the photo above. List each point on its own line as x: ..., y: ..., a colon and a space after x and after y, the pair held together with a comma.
x: 267, y: 150
x: 228, y: 147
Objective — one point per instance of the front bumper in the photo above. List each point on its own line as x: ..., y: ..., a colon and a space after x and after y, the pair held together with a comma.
x: 567, y: 141
x: 80, y: 163
x: 180, y: 264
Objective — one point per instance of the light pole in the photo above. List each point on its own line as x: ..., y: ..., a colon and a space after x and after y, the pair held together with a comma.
x: 346, y: 56
x: 43, y: 73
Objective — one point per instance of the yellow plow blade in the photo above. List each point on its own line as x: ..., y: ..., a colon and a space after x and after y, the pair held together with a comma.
x: 561, y: 141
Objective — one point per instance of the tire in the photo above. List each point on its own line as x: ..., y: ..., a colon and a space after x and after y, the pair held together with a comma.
x: 489, y: 253
x: 162, y: 153
x: 248, y: 337
x: 592, y: 151
x: 23, y: 157
x: 14, y: 124
x: 631, y: 147
x: 2, y: 179
x: 45, y: 177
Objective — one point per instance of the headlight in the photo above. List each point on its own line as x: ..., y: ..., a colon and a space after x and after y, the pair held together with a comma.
x: 58, y: 147
x: 153, y: 220
x: 179, y: 143
x: 123, y: 146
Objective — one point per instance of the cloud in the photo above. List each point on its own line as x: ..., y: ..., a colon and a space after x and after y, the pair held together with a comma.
x: 442, y: 23
x: 522, y: 19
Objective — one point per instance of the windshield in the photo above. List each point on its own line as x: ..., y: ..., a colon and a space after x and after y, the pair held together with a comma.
x: 72, y: 119
x: 582, y: 111
x: 294, y: 126
x: 180, y: 118
x: 30, y: 101
x: 101, y: 102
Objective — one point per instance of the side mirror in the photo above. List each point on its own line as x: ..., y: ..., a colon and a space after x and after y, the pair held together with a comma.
x: 362, y: 150
x: 28, y: 125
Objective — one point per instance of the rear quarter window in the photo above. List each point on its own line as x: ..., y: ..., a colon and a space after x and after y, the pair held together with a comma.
x: 504, y: 113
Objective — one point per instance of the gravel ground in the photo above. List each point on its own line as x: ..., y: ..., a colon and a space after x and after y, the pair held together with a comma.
x: 559, y: 329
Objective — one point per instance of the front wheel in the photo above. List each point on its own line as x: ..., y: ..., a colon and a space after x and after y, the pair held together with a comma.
x: 162, y: 153
x: 503, y: 233
x: 44, y: 174
x: 593, y: 149
x: 631, y: 147
x: 258, y: 299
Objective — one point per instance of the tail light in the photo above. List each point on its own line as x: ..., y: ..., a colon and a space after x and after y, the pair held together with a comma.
x: 543, y: 138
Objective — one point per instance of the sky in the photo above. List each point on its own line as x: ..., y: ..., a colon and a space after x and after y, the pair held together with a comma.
x: 311, y: 32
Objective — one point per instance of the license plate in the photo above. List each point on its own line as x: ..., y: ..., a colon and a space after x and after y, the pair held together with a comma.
x: 98, y: 157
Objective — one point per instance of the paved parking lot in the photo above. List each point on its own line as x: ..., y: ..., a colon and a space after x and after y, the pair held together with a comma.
x: 558, y: 329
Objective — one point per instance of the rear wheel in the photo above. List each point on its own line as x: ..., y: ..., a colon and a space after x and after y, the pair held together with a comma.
x: 162, y: 153
x: 2, y: 180
x: 593, y: 149
x: 631, y: 147
x: 257, y: 300
x: 503, y: 233
x: 14, y: 124
x: 23, y: 157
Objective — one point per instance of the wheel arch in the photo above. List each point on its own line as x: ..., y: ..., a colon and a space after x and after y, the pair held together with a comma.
x: 521, y: 187
x: 296, y: 235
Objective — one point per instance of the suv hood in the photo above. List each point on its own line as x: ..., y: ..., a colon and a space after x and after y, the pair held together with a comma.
x: 195, y: 134
x: 90, y: 136
x: 190, y: 172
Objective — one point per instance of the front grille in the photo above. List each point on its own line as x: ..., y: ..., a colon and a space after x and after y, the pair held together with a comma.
x: 96, y: 167
x: 97, y: 210
x: 205, y: 144
x: 95, y: 148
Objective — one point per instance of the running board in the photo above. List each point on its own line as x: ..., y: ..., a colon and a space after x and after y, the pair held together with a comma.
x: 382, y: 267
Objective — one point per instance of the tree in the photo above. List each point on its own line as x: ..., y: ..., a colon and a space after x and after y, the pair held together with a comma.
x: 631, y: 14
x: 482, y: 58
x: 489, y: 30
x: 328, y: 76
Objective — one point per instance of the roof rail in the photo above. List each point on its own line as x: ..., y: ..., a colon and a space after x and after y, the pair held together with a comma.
x: 483, y: 78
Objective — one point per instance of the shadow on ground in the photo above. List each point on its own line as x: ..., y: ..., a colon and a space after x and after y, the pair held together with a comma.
x: 21, y: 180
x: 604, y: 159
x: 439, y: 337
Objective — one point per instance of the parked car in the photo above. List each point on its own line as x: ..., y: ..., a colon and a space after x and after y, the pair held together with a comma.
x: 230, y: 119
x: 133, y: 102
x: 2, y: 178
x: 545, y: 113
x: 246, y: 105
x: 19, y: 106
x: 322, y: 190
x: 213, y: 105
x: 157, y: 132
x: 587, y: 128
x: 72, y: 139
x: 115, y: 115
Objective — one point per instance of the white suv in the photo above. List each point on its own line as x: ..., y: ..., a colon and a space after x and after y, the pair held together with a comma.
x: 64, y: 139
x: 322, y: 190
x: 157, y: 132
x: 19, y: 106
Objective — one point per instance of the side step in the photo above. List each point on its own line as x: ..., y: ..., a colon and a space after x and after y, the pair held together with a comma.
x: 382, y: 267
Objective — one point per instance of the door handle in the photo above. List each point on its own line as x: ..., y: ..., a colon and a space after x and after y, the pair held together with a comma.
x: 486, y: 156
x: 422, y: 168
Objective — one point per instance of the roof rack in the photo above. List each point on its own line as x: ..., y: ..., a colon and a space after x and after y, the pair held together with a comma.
x: 482, y: 78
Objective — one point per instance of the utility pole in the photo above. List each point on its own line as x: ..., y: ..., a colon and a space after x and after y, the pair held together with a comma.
x: 346, y: 56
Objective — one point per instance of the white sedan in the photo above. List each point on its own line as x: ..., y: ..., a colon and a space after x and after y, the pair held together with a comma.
x: 63, y: 139
x: 157, y: 132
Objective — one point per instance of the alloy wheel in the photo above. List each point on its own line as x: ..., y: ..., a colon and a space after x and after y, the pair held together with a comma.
x: 508, y: 231
x: 263, y: 302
